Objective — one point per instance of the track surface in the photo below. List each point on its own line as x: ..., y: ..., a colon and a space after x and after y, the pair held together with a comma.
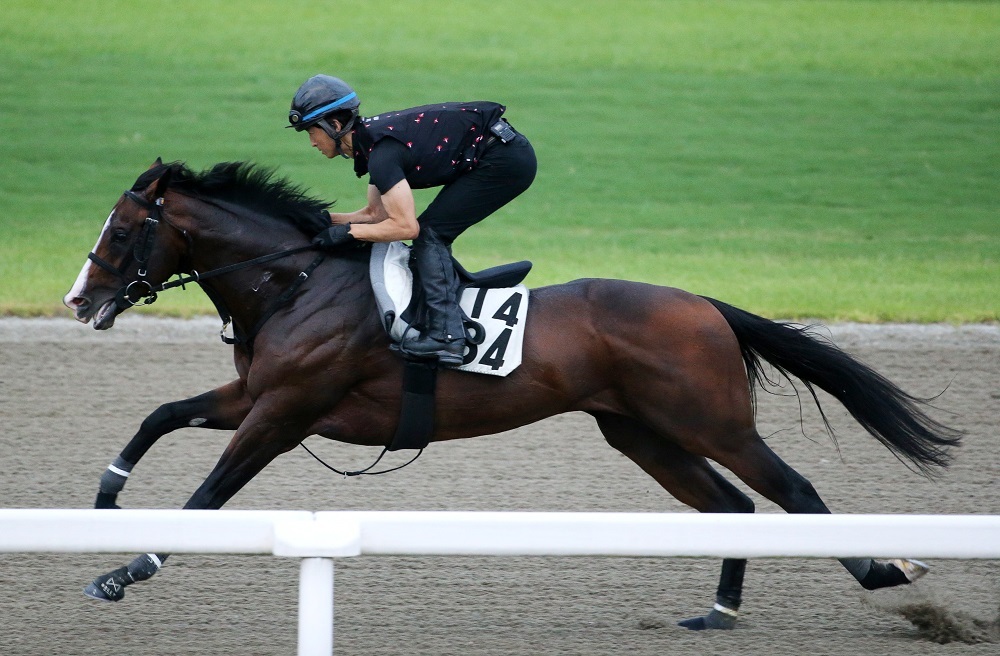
x: 70, y: 398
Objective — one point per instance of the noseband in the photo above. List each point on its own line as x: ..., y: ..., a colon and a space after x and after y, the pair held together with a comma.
x: 141, y: 290
x: 145, y: 296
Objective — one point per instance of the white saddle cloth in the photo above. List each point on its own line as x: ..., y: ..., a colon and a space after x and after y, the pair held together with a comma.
x: 501, y: 312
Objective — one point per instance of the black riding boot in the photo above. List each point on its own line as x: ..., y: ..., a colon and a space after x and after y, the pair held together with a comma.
x: 444, y: 338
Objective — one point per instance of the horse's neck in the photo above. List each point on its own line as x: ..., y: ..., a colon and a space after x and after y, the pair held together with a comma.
x: 223, y: 238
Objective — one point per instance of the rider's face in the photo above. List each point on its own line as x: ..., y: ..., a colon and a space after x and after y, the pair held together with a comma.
x: 326, y: 145
x: 321, y: 141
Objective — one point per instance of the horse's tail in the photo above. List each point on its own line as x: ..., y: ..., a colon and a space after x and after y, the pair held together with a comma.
x: 891, y: 415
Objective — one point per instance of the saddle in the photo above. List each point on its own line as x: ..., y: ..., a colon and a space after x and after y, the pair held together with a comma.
x: 494, y: 303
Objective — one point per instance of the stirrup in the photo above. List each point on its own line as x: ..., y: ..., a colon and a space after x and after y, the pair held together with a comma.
x: 444, y: 354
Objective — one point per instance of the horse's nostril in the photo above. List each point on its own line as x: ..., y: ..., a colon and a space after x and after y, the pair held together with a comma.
x: 79, y: 303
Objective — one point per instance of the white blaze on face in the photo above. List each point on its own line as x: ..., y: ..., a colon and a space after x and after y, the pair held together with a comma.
x: 81, y: 280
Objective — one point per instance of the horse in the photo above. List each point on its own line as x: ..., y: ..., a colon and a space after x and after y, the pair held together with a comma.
x: 669, y: 376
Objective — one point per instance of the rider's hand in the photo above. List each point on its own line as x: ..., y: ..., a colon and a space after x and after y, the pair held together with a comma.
x: 335, y: 236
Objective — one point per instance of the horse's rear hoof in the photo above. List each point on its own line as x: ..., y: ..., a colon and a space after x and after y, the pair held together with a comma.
x: 110, y: 587
x: 714, y: 620
x: 892, y: 573
x: 911, y: 569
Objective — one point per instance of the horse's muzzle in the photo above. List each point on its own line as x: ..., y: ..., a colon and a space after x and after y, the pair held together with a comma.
x: 105, y: 317
x: 84, y: 309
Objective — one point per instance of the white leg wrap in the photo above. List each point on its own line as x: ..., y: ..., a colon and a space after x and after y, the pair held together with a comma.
x: 120, y: 472
x: 114, y: 477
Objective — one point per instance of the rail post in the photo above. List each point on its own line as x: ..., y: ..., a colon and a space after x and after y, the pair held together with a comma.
x: 316, y: 607
x: 317, y: 542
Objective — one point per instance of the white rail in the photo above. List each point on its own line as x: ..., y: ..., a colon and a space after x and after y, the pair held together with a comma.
x: 317, y: 538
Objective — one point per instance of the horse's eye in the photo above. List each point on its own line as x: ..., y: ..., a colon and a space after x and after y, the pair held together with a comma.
x: 119, y: 236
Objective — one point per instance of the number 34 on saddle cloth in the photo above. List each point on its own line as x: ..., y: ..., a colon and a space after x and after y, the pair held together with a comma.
x: 494, y: 302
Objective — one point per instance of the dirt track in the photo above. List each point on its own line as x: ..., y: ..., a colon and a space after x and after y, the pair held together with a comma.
x: 70, y: 398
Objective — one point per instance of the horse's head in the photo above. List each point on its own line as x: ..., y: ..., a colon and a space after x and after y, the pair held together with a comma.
x: 137, y: 250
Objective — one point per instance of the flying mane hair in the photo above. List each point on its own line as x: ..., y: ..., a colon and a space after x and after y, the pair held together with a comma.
x: 248, y: 185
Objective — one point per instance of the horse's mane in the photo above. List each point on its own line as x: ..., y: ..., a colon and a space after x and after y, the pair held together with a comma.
x: 247, y: 185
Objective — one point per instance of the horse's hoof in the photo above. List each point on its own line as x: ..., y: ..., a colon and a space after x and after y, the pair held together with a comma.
x: 106, y: 501
x: 110, y: 587
x: 95, y: 592
x: 714, y: 620
x: 891, y: 573
x: 911, y: 569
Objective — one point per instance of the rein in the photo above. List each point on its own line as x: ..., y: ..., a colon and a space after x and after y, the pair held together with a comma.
x: 128, y: 297
x: 227, y: 319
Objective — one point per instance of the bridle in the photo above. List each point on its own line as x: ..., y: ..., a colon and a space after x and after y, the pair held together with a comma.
x: 142, y: 292
x: 140, y: 254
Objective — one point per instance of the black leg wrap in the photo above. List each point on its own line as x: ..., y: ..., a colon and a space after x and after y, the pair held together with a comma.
x: 730, y: 592
x: 112, y: 481
x: 142, y: 568
x: 727, y: 599
x: 110, y: 587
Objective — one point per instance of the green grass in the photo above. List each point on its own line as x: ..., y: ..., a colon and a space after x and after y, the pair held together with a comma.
x: 833, y: 160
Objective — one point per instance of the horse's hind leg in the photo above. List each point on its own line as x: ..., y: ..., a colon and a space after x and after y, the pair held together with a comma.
x: 758, y: 466
x: 693, y: 481
x: 222, y: 408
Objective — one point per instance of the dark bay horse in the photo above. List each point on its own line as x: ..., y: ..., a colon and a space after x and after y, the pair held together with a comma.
x: 669, y: 376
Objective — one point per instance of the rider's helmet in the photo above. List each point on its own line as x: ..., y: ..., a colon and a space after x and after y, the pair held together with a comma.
x: 318, y: 98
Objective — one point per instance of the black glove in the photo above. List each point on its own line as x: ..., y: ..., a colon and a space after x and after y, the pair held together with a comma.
x: 334, y: 236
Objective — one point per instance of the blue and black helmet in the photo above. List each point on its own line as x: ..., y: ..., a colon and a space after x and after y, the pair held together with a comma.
x: 318, y: 97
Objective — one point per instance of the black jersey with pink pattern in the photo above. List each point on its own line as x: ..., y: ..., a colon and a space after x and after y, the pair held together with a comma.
x: 441, y: 141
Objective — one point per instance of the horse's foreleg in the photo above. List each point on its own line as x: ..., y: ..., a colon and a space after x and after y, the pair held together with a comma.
x: 257, y: 442
x: 255, y: 445
x: 693, y: 481
x: 223, y: 408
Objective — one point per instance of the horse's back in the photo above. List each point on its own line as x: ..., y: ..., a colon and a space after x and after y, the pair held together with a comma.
x: 611, y: 325
x: 625, y: 308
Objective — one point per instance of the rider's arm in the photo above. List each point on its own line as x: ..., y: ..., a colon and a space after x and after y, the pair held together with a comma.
x: 374, y: 212
x: 390, y: 214
x: 397, y: 209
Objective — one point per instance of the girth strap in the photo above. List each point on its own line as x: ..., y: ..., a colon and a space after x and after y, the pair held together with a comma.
x: 416, y: 416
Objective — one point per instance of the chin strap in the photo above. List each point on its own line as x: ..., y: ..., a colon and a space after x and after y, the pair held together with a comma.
x: 338, y: 136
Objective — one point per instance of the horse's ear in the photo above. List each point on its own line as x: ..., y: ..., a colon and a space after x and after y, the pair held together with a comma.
x: 158, y: 187
x: 163, y: 182
x: 158, y: 162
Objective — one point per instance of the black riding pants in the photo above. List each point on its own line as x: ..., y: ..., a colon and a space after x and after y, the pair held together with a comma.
x: 503, y: 173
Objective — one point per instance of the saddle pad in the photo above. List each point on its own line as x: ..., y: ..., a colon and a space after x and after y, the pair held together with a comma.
x: 501, y: 312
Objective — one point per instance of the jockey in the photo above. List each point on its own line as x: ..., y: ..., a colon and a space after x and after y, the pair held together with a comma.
x: 465, y: 148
